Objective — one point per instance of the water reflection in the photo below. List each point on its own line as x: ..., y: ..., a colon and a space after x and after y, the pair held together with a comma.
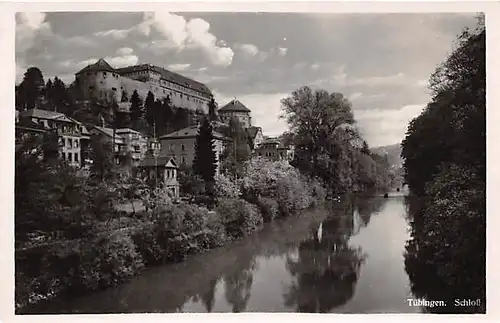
x: 428, y: 260
x: 326, y: 270
x: 286, y: 267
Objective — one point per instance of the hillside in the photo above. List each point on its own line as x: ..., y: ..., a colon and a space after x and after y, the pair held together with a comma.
x: 393, y: 153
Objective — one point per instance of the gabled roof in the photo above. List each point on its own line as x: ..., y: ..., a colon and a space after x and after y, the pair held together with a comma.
x: 160, y: 161
x: 253, y: 131
x: 234, y: 106
x: 47, y: 115
x: 168, y: 76
x: 108, y: 132
x: 100, y: 65
x: 190, y: 132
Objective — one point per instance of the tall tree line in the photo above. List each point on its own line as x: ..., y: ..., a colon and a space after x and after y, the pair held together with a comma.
x: 445, y: 161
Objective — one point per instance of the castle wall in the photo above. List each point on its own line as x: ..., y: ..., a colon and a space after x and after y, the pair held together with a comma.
x: 106, y: 85
x: 243, y: 117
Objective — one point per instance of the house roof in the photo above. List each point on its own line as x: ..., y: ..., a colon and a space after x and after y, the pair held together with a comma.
x: 108, y: 132
x: 45, y: 114
x: 160, y: 161
x: 253, y: 131
x: 168, y: 76
x: 234, y: 106
x: 190, y: 132
x: 100, y: 65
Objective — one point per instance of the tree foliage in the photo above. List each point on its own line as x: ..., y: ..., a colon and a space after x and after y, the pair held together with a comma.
x: 205, y: 159
x: 327, y: 143
x: 30, y: 90
x: 445, y: 160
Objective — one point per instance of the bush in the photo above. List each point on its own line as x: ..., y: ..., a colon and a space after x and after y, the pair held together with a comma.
x: 292, y: 196
x: 75, y: 267
x: 268, y: 207
x: 238, y: 217
x: 147, y: 245
x: 225, y: 188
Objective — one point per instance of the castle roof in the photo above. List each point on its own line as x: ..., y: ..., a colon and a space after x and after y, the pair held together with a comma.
x: 168, y: 76
x: 190, y: 132
x: 100, y: 65
x: 234, y: 106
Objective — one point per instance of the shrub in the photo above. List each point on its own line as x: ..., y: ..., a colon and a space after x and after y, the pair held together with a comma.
x: 147, y: 245
x: 225, y: 188
x: 268, y: 207
x: 239, y: 217
x: 292, y: 196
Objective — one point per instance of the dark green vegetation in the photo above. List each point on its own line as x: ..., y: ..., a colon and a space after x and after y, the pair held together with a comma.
x: 445, y: 161
x: 70, y: 238
x: 151, y: 116
x: 328, y: 145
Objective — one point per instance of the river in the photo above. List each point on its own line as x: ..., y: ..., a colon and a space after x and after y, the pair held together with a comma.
x: 347, y: 257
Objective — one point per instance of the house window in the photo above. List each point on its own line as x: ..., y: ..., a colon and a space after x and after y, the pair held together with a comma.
x: 137, y: 149
x: 76, y: 143
x: 172, y: 147
x: 68, y: 142
x: 70, y: 159
x: 183, y: 159
x: 183, y: 148
x: 76, y: 157
x: 64, y: 155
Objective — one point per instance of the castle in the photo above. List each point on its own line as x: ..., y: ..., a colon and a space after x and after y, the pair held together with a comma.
x: 102, y: 82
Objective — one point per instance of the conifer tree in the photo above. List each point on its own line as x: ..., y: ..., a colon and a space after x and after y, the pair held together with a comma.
x: 137, y: 112
x: 212, y: 111
x: 205, y: 160
x: 149, y: 107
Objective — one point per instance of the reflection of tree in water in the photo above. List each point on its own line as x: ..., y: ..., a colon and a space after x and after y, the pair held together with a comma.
x: 238, y: 284
x: 368, y: 206
x: 432, y: 265
x: 327, y: 269
x: 208, y: 297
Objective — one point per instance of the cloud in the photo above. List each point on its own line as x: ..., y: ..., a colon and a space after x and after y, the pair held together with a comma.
x: 355, y: 96
x: 29, y: 25
x: 249, y: 49
x: 181, y: 34
x: 382, y: 127
x: 117, y: 34
x: 124, y: 51
x: 282, y: 51
x: 178, y: 67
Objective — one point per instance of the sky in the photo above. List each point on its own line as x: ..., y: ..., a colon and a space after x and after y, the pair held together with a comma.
x: 381, y: 62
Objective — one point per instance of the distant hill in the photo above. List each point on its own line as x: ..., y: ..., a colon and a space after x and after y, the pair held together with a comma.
x: 393, y: 153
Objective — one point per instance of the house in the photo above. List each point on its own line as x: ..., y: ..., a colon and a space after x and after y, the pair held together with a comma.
x: 160, y: 170
x: 236, y: 109
x: 255, y: 135
x: 274, y: 149
x: 72, y: 133
x: 120, y: 148
x: 135, y: 143
x: 180, y: 145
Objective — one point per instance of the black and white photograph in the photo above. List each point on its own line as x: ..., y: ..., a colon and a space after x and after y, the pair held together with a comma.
x: 173, y: 161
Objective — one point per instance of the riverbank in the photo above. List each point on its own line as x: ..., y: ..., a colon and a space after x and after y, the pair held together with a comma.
x: 118, y: 249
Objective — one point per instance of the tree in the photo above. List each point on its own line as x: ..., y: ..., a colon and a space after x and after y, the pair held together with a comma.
x: 205, y: 159
x: 149, y: 107
x: 31, y: 89
x: 444, y: 155
x: 212, y: 110
x: 101, y: 154
x: 137, y: 114
x: 321, y: 124
x: 181, y: 118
